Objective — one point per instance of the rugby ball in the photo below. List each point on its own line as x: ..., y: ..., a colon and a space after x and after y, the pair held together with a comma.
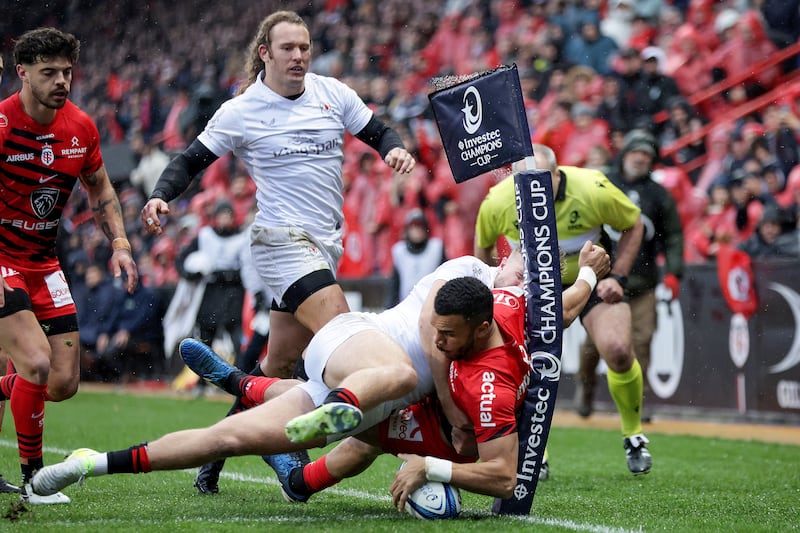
x: 434, y: 500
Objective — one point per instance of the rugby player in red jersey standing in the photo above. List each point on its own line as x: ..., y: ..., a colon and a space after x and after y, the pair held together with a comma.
x: 46, y: 144
x: 5, y: 486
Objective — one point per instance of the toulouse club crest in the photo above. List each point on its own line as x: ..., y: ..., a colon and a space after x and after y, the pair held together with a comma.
x: 43, y: 201
x: 48, y: 157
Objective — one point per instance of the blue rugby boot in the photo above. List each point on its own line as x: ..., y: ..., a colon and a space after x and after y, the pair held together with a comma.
x: 283, y: 464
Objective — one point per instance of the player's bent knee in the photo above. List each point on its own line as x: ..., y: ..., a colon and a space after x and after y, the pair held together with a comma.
x: 61, y: 392
x: 231, y: 446
x: 405, y: 377
x: 35, y: 371
x: 619, y: 360
x: 235, y: 436
x: 612, y: 345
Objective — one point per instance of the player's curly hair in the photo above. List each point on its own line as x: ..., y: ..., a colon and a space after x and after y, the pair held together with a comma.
x: 253, y: 62
x: 43, y: 44
x: 467, y: 297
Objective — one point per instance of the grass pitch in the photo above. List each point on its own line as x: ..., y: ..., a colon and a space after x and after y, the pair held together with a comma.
x: 697, y: 484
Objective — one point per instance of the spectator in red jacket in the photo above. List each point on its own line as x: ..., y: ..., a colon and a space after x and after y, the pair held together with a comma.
x: 687, y: 60
x: 717, y: 225
x: 700, y: 17
x: 748, y: 46
x: 555, y: 128
x: 588, y: 132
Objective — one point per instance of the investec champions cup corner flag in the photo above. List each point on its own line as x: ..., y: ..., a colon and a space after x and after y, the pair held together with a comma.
x: 482, y: 122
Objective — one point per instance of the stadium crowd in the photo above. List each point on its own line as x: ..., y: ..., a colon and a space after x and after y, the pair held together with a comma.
x: 152, y: 73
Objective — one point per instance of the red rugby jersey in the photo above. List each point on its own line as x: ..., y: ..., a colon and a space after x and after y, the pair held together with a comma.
x: 38, y: 169
x: 490, y: 386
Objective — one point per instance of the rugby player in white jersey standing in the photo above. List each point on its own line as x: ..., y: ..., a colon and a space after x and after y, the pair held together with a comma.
x: 287, y: 126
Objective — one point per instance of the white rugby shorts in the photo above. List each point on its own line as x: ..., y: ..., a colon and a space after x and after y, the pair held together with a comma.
x: 319, y: 350
x: 283, y: 255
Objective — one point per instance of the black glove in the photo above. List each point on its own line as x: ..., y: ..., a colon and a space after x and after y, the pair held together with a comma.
x: 260, y: 302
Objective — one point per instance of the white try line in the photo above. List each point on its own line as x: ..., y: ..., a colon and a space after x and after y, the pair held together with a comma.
x: 362, y: 495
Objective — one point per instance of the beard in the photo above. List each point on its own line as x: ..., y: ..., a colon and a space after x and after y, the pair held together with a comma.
x: 467, y: 349
x: 636, y: 172
x: 47, y: 100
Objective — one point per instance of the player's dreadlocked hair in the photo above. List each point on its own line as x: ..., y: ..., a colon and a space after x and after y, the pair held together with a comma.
x: 44, y: 44
x: 467, y: 297
x: 253, y: 62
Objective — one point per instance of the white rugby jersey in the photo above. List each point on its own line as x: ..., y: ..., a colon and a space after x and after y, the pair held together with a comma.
x: 292, y: 149
x: 401, y: 322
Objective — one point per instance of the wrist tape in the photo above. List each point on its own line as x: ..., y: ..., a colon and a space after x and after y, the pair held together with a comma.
x: 438, y: 469
x: 587, y: 274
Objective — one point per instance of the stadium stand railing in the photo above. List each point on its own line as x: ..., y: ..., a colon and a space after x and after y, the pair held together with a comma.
x: 789, y: 83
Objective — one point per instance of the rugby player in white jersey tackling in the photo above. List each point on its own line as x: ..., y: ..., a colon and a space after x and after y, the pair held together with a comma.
x: 377, y: 360
x: 287, y: 127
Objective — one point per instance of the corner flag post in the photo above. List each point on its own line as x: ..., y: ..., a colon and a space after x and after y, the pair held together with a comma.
x: 543, y: 326
x: 483, y: 125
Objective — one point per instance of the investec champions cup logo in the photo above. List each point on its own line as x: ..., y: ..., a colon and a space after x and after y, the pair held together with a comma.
x: 478, y: 150
x: 473, y: 110
x: 547, y: 365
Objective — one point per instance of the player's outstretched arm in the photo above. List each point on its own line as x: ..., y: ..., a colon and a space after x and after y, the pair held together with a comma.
x: 107, y: 213
x: 493, y: 475
x: 174, y: 180
x: 400, y: 160
x: 388, y: 144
